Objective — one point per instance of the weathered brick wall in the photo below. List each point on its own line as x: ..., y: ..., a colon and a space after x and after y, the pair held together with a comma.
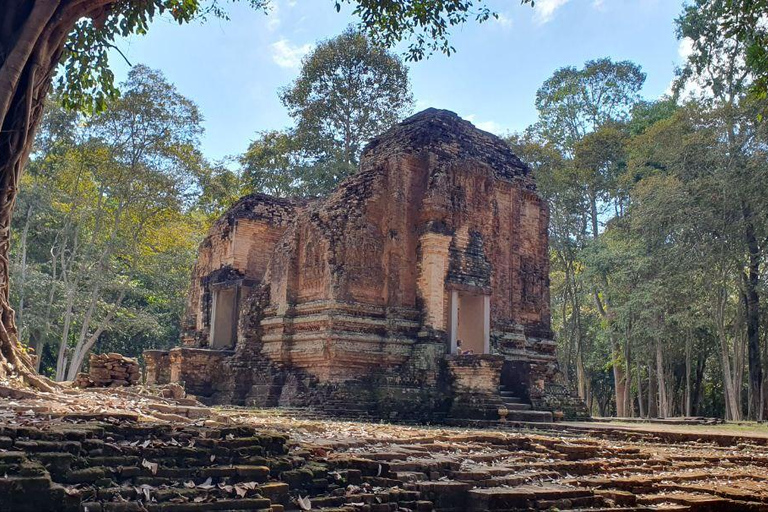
x: 157, y: 367
x: 478, y: 374
x: 435, y: 202
x: 240, y: 242
x: 203, y: 372
x: 475, y: 385
x: 355, y: 288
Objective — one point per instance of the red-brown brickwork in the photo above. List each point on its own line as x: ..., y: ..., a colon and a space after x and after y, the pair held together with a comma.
x: 436, y: 247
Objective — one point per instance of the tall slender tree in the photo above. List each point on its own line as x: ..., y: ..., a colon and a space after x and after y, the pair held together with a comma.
x: 717, y: 73
x: 576, y: 106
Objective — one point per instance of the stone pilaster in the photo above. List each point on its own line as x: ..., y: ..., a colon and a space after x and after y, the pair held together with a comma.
x: 431, y: 284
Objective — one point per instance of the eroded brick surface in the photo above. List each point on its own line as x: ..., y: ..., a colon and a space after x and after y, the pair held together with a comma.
x: 273, y: 462
x: 357, y: 302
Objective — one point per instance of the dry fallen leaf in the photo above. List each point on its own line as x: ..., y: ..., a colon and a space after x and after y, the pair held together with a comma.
x: 152, y: 466
x: 304, y: 503
x: 206, y: 485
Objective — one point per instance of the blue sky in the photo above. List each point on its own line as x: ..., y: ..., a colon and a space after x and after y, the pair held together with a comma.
x: 233, y: 69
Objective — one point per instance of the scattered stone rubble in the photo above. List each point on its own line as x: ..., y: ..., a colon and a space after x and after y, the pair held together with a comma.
x: 109, y: 370
x: 157, y: 404
x: 272, y: 461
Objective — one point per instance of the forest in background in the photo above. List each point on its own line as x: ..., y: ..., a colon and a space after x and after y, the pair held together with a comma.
x: 659, y: 216
x: 659, y: 224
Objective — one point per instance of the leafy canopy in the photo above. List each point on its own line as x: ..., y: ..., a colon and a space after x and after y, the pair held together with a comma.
x: 348, y: 91
x: 87, y: 81
x: 574, y: 102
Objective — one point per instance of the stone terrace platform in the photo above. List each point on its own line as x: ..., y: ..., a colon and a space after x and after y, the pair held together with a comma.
x: 273, y: 460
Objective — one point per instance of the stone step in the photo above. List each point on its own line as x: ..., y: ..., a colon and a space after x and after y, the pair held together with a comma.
x: 532, y: 416
x: 251, y: 504
x: 531, y: 497
x: 517, y: 406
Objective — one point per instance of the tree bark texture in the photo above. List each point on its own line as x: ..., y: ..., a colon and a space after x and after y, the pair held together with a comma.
x: 32, y: 38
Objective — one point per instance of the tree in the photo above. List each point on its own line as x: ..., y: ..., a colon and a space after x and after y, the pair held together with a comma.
x: 220, y: 187
x: 578, y: 113
x: 718, y: 67
x: 275, y: 164
x: 574, y: 102
x: 116, y: 200
x: 36, y: 35
x: 554, y: 180
x: 348, y: 91
x: 743, y: 21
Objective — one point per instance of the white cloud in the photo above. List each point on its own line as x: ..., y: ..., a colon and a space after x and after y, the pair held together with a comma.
x: 503, y: 20
x: 488, y: 126
x: 491, y: 126
x: 273, y: 18
x: 545, y: 9
x: 422, y: 104
x: 287, y: 55
x: 691, y: 88
x: 598, y: 4
x: 275, y: 11
x: 684, y: 49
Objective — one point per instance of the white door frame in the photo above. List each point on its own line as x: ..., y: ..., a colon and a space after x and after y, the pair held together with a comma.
x: 454, y: 322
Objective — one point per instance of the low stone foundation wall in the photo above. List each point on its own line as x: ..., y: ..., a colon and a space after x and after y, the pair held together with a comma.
x: 204, y: 373
x: 157, y: 367
x: 561, y: 400
x: 461, y: 387
x: 475, y: 381
x: 479, y: 373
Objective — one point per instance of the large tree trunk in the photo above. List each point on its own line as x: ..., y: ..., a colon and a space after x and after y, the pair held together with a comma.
x: 732, y: 404
x: 619, y: 376
x: 697, y: 385
x: 661, y: 381
x: 640, y: 403
x: 628, y: 409
x: 32, y: 37
x: 687, y: 395
x: 653, y: 410
x: 752, y: 314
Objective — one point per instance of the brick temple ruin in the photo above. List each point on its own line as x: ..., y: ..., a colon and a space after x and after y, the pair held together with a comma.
x: 418, y: 289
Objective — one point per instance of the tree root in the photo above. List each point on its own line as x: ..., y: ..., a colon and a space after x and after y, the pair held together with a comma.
x: 16, y: 365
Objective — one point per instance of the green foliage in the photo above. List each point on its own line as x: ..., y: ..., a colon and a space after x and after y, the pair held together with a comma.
x: 425, y: 23
x: 573, y: 102
x: 87, y: 81
x: 658, y: 226
x: 348, y: 91
x: 275, y: 164
x: 220, y: 187
x: 109, y: 231
x: 717, y: 64
x: 647, y: 113
x: 742, y: 24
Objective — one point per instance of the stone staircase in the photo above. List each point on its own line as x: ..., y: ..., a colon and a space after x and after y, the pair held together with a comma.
x: 135, y: 467
x: 519, y: 409
x: 124, y: 466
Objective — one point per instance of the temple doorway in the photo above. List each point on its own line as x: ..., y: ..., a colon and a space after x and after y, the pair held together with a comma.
x: 224, y: 318
x: 470, y: 322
